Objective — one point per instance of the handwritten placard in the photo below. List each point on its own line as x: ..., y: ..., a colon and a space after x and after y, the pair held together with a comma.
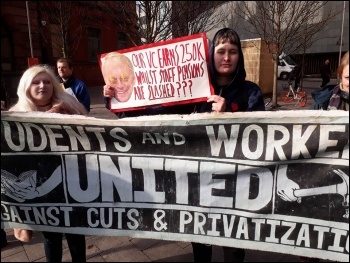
x: 163, y: 73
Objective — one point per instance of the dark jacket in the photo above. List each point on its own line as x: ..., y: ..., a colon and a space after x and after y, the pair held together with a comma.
x: 77, y: 88
x: 297, y: 72
x: 321, y: 97
x: 5, y: 100
x: 330, y: 97
x: 325, y: 70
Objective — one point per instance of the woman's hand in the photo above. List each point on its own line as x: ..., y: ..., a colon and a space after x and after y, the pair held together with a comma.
x: 108, y: 91
x: 219, y: 103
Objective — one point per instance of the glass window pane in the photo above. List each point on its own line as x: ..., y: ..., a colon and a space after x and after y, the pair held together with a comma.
x: 122, y: 40
x: 93, y: 44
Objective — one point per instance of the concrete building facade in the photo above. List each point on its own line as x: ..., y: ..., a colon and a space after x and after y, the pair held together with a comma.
x: 327, y: 44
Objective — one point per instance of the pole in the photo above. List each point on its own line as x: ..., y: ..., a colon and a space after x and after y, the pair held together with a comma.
x: 30, y: 33
x: 341, y: 37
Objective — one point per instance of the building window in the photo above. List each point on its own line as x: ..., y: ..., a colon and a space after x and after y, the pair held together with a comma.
x: 6, y: 49
x: 122, y: 40
x: 93, y: 44
x: 56, y: 41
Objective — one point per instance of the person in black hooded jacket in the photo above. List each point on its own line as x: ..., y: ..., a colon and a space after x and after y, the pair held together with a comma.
x: 232, y: 93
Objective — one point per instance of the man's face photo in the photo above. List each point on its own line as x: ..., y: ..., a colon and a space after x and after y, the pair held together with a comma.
x: 120, y: 77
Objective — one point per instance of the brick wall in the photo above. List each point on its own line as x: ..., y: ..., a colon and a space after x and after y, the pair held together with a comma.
x: 16, y: 45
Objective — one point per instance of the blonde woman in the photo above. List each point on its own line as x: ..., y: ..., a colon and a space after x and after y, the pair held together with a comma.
x: 39, y: 90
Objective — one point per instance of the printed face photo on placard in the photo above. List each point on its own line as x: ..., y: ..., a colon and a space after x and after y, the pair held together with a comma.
x: 118, y: 73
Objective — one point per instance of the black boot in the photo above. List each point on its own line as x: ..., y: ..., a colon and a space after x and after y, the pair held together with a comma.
x: 201, y: 252
x: 232, y: 254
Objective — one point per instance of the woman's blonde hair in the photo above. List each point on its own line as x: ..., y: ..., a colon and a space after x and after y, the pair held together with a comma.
x: 343, y: 62
x: 59, y: 96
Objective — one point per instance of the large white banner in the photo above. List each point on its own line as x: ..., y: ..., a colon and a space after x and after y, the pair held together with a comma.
x: 272, y: 181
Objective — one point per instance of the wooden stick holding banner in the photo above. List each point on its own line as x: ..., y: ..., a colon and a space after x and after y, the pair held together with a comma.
x: 163, y: 73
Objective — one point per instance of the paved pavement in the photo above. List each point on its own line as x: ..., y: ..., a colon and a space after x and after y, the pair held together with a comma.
x: 127, y: 249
